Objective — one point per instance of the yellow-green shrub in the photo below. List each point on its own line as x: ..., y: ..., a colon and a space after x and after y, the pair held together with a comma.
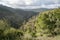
x: 48, y: 23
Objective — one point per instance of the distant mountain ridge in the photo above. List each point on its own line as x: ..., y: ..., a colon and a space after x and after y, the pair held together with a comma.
x: 38, y: 9
x: 15, y: 16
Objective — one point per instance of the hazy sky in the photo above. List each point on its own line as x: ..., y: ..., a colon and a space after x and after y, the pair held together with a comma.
x: 31, y: 3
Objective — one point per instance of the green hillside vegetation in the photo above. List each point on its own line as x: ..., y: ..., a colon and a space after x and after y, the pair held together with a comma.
x: 45, y: 24
x: 15, y: 16
x: 48, y: 23
x: 9, y: 33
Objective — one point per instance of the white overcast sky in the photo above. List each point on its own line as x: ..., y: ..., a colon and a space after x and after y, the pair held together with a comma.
x: 26, y: 4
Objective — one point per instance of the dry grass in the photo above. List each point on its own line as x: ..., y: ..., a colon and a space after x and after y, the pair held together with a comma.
x: 44, y: 38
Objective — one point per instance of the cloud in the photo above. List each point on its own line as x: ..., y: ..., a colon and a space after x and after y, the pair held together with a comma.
x: 42, y: 6
x: 26, y: 4
x: 20, y: 2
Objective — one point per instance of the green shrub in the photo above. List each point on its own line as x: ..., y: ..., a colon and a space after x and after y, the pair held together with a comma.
x: 48, y: 23
x: 9, y: 33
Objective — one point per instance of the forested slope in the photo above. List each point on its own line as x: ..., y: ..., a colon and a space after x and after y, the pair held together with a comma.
x: 45, y: 24
x: 15, y: 16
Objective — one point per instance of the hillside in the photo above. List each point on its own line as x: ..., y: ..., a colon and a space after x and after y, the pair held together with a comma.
x: 15, y: 16
x: 44, y: 24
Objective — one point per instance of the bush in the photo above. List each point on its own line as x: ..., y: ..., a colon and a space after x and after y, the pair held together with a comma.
x: 48, y: 23
x: 9, y: 33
